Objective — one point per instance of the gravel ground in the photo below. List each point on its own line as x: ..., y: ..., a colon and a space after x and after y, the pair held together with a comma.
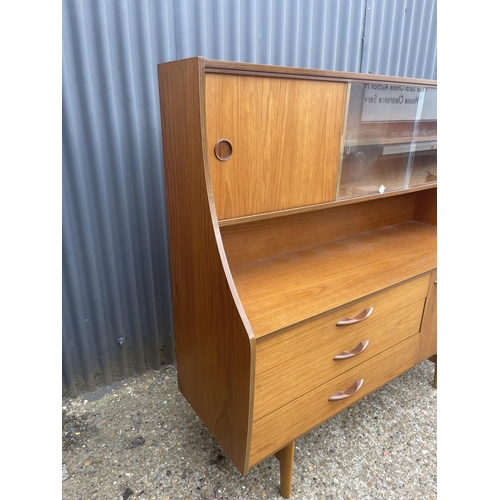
x: 140, y: 439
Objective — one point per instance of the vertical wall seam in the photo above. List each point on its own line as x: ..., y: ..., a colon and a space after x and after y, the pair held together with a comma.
x: 363, y: 35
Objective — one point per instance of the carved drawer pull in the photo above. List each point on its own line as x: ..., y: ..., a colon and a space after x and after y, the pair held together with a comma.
x: 354, y: 352
x: 348, y: 392
x: 361, y: 316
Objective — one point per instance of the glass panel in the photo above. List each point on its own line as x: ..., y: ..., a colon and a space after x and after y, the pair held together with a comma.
x: 390, y: 139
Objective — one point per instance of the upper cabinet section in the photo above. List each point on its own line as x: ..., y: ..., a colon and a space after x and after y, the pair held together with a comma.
x: 281, y: 140
x: 389, y: 140
x: 273, y: 143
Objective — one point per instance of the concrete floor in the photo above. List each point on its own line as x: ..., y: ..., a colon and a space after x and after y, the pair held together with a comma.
x: 140, y: 439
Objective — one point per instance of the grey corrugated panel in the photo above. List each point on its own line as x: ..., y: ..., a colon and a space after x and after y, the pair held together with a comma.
x: 321, y: 34
x: 115, y: 249
x: 400, y: 38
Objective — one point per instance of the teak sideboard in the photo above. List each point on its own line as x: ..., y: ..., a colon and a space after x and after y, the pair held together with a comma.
x: 302, y: 223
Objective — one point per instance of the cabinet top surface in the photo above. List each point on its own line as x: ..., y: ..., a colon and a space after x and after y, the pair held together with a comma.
x: 220, y: 66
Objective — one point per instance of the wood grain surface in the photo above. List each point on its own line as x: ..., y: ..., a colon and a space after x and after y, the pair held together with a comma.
x: 263, y: 238
x: 428, y: 339
x: 300, y: 359
x: 215, y: 349
x: 296, y: 418
x: 290, y: 287
x: 239, y: 68
x: 286, y: 142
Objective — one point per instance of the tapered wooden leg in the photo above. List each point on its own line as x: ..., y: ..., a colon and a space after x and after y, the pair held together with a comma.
x: 285, y: 456
x: 434, y: 360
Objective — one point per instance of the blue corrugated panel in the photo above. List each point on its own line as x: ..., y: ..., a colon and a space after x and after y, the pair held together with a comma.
x: 321, y: 34
x: 115, y: 257
x: 115, y: 249
x: 400, y: 38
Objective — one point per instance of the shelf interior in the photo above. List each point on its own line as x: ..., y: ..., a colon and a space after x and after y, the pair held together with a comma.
x: 290, y: 287
x: 285, y: 276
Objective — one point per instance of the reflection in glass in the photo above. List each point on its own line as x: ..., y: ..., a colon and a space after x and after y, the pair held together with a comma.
x: 390, y: 139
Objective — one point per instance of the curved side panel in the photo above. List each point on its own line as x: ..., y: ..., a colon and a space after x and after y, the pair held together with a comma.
x: 215, y: 349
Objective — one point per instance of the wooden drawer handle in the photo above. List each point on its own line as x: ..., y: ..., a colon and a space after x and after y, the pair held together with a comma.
x: 354, y: 352
x: 361, y: 316
x: 348, y: 392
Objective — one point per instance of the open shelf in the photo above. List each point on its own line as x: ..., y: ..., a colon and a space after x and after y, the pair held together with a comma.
x: 322, y: 206
x: 284, y: 289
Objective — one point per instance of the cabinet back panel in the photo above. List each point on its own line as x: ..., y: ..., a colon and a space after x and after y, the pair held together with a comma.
x: 426, y: 207
x: 285, y: 137
x: 263, y: 238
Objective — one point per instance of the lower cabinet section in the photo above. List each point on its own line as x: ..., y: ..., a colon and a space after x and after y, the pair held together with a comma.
x: 275, y: 430
x: 293, y: 362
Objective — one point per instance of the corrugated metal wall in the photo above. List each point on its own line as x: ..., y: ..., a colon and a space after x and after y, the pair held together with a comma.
x: 117, y: 316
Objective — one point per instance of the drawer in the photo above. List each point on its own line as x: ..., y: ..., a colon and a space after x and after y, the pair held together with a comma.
x: 294, y: 362
x: 279, y: 428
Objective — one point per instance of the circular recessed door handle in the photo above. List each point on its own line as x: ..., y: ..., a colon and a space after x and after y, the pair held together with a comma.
x: 223, y: 149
